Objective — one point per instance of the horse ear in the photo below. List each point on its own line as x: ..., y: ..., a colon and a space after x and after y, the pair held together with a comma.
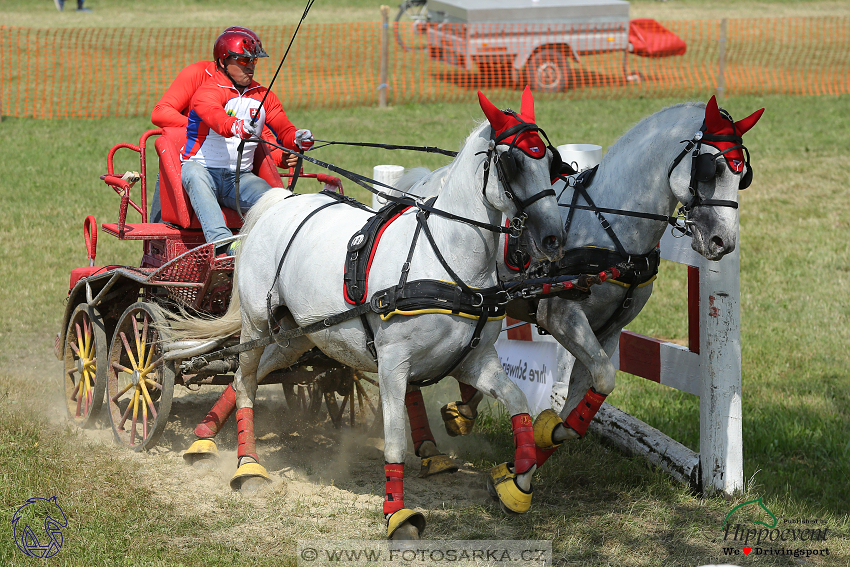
x: 527, y: 106
x: 746, y: 123
x: 713, y: 119
x: 497, y: 118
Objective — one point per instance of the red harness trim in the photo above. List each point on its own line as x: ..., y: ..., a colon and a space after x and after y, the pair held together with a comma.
x: 369, y: 264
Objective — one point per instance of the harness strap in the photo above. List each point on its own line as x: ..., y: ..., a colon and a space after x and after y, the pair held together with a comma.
x: 283, y: 257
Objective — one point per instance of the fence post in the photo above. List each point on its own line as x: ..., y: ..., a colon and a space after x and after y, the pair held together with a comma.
x: 385, y: 52
x: 721, y: 439
x: 721, y: 59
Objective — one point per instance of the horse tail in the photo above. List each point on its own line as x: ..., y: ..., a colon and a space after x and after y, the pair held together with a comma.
x: 202, y: 327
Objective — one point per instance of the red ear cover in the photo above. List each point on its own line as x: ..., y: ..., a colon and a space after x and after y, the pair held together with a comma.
x: 528, y: 141
x: 526, y: 109
x: 717, y: 125
x: 745, y: 124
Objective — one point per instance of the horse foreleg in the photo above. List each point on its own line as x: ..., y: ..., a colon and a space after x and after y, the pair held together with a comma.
x: 402, y: 523
x: 424, y: 445
x: 510, y: 483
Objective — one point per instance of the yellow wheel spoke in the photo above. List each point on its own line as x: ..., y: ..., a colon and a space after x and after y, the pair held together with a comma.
x: 135, y: 416
x: 80, y: 342
x: 121, y: 393
x: 129, y: 351
x: 149, y: 402
x: 145, y: 342
x: 87, y: 336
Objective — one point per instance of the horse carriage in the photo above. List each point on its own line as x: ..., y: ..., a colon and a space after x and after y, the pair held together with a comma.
x: 413, y: 313
x: 112, y: 336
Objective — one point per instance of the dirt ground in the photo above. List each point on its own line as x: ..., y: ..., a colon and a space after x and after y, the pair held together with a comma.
x: 326, y: 483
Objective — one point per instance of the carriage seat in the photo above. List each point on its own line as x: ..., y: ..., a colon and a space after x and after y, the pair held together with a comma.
x: 174, y: 201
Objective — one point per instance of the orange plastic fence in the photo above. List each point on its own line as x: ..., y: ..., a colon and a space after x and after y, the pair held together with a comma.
x: 94, y: 73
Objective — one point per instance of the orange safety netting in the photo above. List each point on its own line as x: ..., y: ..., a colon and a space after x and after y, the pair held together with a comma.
x: 94, y: 73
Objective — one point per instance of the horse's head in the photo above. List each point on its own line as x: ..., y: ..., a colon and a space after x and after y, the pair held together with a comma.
x: 521, y: 185
x: 706, y: 177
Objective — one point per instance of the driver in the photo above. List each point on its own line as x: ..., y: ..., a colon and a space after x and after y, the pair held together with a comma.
x: 172, y: 111
x: 220, y: 117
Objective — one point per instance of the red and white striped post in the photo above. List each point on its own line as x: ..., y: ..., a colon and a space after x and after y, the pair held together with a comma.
x: 710, y: 368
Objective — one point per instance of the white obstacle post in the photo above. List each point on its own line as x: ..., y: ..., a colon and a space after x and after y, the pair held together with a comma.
x: 389, y: 174
x: 710, y: 368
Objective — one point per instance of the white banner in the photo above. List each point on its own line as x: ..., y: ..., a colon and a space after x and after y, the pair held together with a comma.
x: 532, y: 365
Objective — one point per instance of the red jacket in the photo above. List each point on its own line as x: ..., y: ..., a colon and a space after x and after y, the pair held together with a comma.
x: 173, y: 108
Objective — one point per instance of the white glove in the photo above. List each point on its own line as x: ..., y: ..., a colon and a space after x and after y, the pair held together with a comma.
x: 304, y: 139
x: 243, y: 129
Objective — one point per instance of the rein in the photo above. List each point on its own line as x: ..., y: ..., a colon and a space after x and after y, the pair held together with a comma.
x: 408, y: 199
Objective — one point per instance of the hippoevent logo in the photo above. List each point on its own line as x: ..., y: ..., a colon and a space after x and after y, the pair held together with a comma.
x: 751, y: 528
x: 37, y: 527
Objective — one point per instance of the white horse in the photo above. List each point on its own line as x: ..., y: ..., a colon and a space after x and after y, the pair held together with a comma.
x: 650, y: 169
x: 290, y: 264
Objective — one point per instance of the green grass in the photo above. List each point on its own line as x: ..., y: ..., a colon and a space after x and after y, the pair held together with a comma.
x: 596, y: 505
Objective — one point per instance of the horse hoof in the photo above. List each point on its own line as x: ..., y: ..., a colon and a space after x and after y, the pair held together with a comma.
x: 250, y: 477
x: 456, y: 423
x: 437, y: 464
x: 502, y: 486
x: 544, y: 428
x: 202, y: 455
x: 405, y: 524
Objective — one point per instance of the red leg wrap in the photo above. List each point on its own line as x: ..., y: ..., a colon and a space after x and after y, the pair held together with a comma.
x: 394, y: 494
x: 583, y: 413
x: 245, y: 428
x: 220, y: 412
x: 525, y: 451
x: 419, y: 428
x: 543, y: 455
x: 466, y: 392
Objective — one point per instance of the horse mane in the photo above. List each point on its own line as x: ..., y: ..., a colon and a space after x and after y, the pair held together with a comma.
x: 644, y: 123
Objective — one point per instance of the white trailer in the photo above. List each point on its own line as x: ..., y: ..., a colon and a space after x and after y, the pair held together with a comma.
x: 536, y: 41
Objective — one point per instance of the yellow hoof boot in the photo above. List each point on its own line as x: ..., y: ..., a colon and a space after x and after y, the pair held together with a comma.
x: 247, y: 473
x: 437, y: 464
x: 502, y: 486
x: 544, y: 427
x: 405, y: 524
x: 456, y: 423
x: 202, y: 449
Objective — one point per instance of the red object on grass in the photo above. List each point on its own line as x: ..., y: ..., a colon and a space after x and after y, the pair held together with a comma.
x: 648, y: 38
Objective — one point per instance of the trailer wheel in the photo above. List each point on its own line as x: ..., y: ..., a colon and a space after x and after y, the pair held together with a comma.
x: 140, y: 382
x: 548, y: 71
x: 84, y: 376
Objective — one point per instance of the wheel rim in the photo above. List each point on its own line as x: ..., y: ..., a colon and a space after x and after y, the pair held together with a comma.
x: 549, y: 75
x: 85, y: 361
x: 141, y: 382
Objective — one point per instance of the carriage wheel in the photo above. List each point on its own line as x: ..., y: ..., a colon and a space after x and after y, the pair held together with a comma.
x: 84, y: 376
x: 411, y: 37
x: 361, y: 402
x: 141, y: 383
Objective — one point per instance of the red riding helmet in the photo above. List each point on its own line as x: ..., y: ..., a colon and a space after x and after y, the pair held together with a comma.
x: 237, y: 44
x: 252, y: 34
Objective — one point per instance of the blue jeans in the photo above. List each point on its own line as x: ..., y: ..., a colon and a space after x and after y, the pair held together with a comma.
x: 209, y: 189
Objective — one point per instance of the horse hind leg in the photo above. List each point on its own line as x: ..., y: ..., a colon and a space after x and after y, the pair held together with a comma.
x: 203, y: 454
x: 424, y: 445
